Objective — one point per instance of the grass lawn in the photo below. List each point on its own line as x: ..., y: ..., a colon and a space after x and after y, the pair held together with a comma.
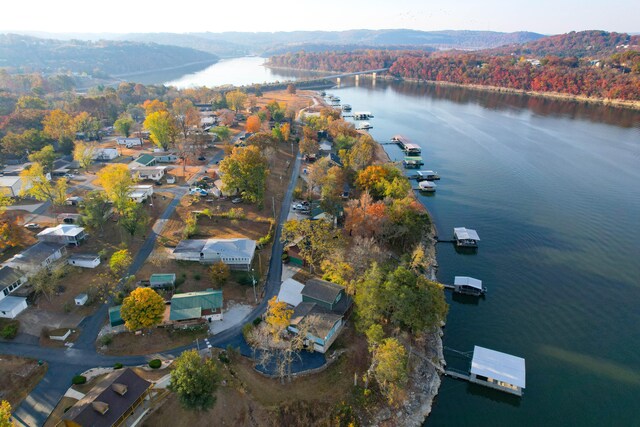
x: 153, y: 341
x: 18, y: 376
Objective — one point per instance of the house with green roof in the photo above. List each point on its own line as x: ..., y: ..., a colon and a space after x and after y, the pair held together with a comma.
x: 144, y: 160
x: 195, y: 305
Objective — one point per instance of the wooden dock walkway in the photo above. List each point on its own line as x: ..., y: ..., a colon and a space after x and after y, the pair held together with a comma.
x: 456, y: 374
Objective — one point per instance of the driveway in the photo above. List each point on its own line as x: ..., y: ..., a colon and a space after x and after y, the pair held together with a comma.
x: 234, y: 315
x: 32, y: 320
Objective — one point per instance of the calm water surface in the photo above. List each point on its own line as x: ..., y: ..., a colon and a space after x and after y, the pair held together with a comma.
x: 553, y: 189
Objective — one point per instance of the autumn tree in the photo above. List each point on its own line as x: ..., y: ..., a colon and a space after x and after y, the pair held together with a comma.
x: 11, y: 233
x: 365, y: 217
x: 46, y: 281
x: 58, y: 125
x: 87, y: 125
x: 361, y: 154
x: 407, y: 222
x: 36, y: 184
x: 246, y: 171
x: 236, y: 100
x: 117, y: 182
x: 285, y: 130
x: 278, y: 317
x: 194, y: 380
x: 162, y: 128
x: 389, y: 368
x: 123, y: 125
x: 153, y: 106
x: 46, y: 157
x: 83, y: 153
x: 133, y: 218
x: 143, y: 308
x: 318, y: 239
x: 309, y: 147
x: 120, y: 262
x: 186, y: 116
x: 95, y: 210
x: 219, y: 273
x: 291, y: 89
x: 253, y: 124
x: 5, y: 414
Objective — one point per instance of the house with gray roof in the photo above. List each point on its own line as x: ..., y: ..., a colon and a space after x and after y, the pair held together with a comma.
x: 10, y: 280
x: 66, y: 234
x: 35, y: 258
x: 236, y: 253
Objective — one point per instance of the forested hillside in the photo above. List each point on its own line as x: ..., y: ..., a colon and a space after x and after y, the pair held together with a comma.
x: 19, y: 54
x: 591, y: 64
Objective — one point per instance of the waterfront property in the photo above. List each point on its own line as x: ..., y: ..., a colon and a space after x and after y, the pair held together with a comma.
x: 468, y: 285
x: 407, y: 146
x: 110, y: 402
x: 363, y: 115
x: 412, y: 162
x: 427, y: 186
x: 466, y: 237
x: 236, y: 253
x: 364, y: 126
x: 427, y: 175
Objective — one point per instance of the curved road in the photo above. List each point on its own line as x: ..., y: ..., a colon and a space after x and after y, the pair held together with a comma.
x: 65, y: 363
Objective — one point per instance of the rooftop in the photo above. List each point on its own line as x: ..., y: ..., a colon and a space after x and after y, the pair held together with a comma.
x: 61, y: 230
x: 119, y: 391
x: 84, y: 257
x: 190, y: 305
x: 37, y: 253
x: 500, y: 366
x: 8, y: 303
x: 291, y: 292
x: 322, y: 290
x: 467, y: 281
x: 320, y: 321
x: 8, y: 276
x: 465, y: 234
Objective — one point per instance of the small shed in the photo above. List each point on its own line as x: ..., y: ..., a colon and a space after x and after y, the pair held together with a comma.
x: 73, y: 200
x: 84, y: 260
x: 468, y: 285
x: 11, y: 306
x: 162, y: 280
x: 498, y: 370
x: 81, y: 299
x: 466, y: 237
x: 115, y: 319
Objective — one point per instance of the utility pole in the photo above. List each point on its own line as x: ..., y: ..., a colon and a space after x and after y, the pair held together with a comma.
x: 273, y: 204
x: 253, y: 279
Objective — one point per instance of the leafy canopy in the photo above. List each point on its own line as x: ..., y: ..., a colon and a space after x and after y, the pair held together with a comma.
x: 194, y: 380
x: 143, y: 308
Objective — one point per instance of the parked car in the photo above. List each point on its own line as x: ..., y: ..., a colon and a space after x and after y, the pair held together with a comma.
x: 69, y: 175
x: 236, y: 200
x: 201, y: 158
x: 32, y: 226
x: 158, y: 182
x: 199, y: 191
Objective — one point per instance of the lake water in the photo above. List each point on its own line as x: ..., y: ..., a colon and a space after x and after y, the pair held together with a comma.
x: 553, y: 189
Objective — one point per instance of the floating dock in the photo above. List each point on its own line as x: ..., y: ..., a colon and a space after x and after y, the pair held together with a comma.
x: 406, y: 145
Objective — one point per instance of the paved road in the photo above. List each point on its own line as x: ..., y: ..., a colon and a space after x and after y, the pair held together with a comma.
x: 63, y: 364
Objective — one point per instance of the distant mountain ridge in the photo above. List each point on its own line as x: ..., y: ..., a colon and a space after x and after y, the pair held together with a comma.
x: 20, y: 53
x: 229, y: 44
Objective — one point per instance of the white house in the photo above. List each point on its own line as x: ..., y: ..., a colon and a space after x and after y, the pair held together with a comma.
x: 154, y: 173
x: 67, y: 234
x: 10, y: 280
x: 12, y: 185
x: 129, y: 142
x: 236, y: 253
x: 10, y: 307
x: 84, y: 260
x: 105, y: 154
x: 140, y: 193
x: 37, y: 257
x: 167, y: 158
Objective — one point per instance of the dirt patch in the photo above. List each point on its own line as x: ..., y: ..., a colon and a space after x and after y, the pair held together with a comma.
x: 153, y: 341
x: 18, y: 376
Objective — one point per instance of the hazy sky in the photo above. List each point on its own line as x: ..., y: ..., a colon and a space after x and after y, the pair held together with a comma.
x: 119, y: 16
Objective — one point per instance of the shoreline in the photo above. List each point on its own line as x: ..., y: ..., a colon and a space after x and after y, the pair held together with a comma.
x: 427, y: 357
x: 619, y: 103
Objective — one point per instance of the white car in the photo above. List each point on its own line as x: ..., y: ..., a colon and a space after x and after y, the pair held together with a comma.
x: 32, y: 226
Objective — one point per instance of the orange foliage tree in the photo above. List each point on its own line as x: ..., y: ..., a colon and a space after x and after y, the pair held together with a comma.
x: 253, y: 124
x: 364, y: 217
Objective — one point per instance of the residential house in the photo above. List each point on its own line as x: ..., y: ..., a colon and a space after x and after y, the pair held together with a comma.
x: 153, y: 173
x: 167, y: 158
x: 39, y: 256
x: 335, y: 159
x: 291, y: 292
x: 196, y: 305
x: 105, y: 154
x: 12, y: 185
x: 325, y: 146
x: 322, y: 312
x: 63, y: 233
x: 236, y: 253
x: 11, y: 306
x: 10, y: 280
x: 111, y: 402
x: 129, y: 142
x: 140, y: 193
x: 73, y: 201
x: 144, y: 160
x: 84, y: 260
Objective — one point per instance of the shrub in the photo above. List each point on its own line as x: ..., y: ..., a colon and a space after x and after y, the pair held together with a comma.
x: 197, y: 276
x: 117, y: 366
x: 223, y: 357
x: 179, y: 281
x: 106, y: 339
x: 257, y: 321
x: 155, y: 363
x: 236, y: 213
x: 79, y: 379
x: 246, y: 331
x: 10, y: 331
